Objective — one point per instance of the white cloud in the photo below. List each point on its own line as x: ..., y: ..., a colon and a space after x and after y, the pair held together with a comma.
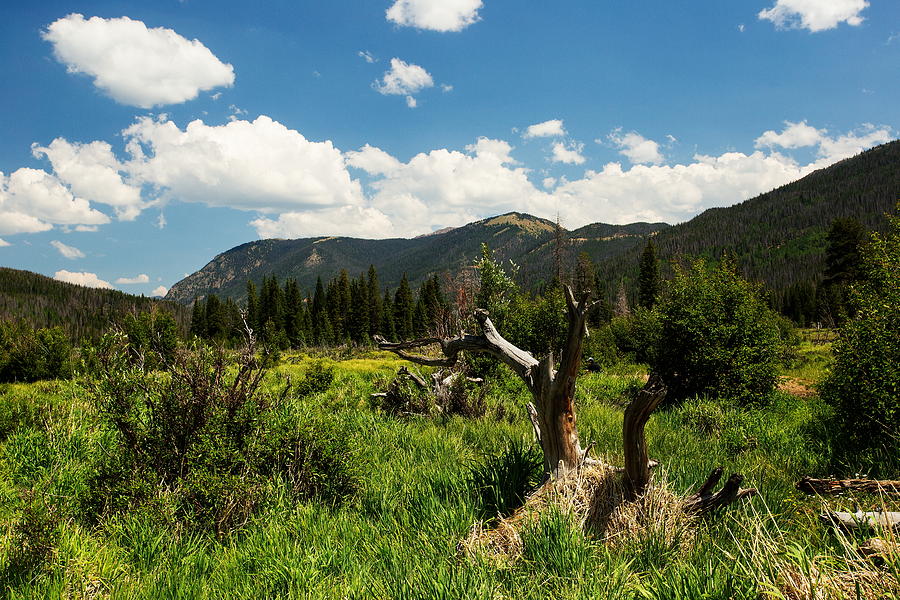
x: 404, y: 79
x: 367, y: 56
x: 86, y: 228
x: 436, y: 15
x: 638, y: 149
x: 549, y: 182
x: 741, y: 28
x: 373, y: 160
x: 82, y: 278
x: 794, y: 135
x: 4, y: 243
x: 32, y: 200
x: 142, y: 278
x: 160, y: 291
x: 446, y: 87
x: 93, y: 172
x: 814, y: 15
x: 569, y: 154
x: 352, y: 221
x: 445, y: 187
x: 551, y: 128
x: 69, y: 252
x: 136, y: 65
x: 249, y: 165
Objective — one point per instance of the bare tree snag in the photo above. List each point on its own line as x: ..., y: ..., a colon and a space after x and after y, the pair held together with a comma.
x: 824, y: 487
x: 552, y: 410
x: 637, y: 459
x: 704, y: 501
x: 553, y: 390
x: 862, y: 520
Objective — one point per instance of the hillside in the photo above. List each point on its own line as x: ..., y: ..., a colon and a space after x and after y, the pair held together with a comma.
x: 81, y: 311
x: 778, y: 237
x: 525, y: 239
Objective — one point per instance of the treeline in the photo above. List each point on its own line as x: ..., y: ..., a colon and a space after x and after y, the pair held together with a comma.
x: 82, y: 313
x: 346, y: 310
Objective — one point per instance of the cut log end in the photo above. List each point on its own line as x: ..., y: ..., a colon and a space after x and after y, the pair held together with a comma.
x: 705, y: 501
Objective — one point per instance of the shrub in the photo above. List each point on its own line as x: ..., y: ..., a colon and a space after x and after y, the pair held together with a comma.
x: 31, y: 355
x: 637, y: 335
x: 864, y: 383
x: 716, y: 336
x: 318, y: 378
x: 501, y: 483
x: 203, y: 437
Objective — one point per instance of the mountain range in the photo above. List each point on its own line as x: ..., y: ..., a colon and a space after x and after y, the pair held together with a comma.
x: 777, y: 238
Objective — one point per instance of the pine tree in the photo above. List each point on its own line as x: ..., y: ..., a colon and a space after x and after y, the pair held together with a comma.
x: 404, y: 307
x: 648, y: 279
x: 198, y: 319
x: 585, y: 275
x: 252, y: 307
x: 375, y: 306
x: 387, y: 328
x: 318, y: 313
x: 292, y: 305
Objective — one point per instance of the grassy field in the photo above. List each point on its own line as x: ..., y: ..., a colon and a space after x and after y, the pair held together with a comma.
x: 420, y: 488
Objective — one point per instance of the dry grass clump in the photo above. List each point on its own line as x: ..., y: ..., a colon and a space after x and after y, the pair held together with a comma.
x: 594, y: 497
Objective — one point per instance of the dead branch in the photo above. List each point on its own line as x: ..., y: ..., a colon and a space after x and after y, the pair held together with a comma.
x: 825, y: 487
x: 704, y: 501
x: 637, y: 460
x: 862, y: 520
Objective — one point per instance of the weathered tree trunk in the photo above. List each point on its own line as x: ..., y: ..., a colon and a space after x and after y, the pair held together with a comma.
x: 837, y: 486
x: 552, y: 410
x: 552, y: 390
x: 637, y: 459
x: 862, y: 520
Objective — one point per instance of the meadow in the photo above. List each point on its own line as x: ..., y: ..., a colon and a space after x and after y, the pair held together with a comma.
x: 419, y: 486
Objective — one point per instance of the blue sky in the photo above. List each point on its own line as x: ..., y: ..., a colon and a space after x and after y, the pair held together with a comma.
x: 139, y: 139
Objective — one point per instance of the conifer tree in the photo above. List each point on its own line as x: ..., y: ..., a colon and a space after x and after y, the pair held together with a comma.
x: 292, y: 303
x: 318, y: 314
x: 375, y: 306
x: 387, y: 328
x: 648, y: 279
x: 252, y: 307
x: 198, y: 319
x: 404, y: 307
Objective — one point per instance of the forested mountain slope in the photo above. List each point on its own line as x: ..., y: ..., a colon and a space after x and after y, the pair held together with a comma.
x: 778, y: 238
x: 81, y: 311
x: 524, y: 239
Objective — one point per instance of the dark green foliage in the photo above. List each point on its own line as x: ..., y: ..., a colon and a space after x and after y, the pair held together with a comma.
x: 648, y: 277
x: 502, y: 482
x: 636, y: 336
x: 152, y: 337
x: 81, y: 312
x: 33, y: 537
x: 537, y: 324
x: 842, y: 267
x: 464, y: 399
x: 29, y: 355
x: 204, y: 438
x: 716, y: 336
x: 404, y: 310
x: 317, y: 379
x: 864, y: 384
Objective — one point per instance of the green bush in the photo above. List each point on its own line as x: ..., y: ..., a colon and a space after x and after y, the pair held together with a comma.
x: 31, y: 355
x: 637, y: 335
x: 204, y: 441
x: 864, y: 383
x: 716, y: 336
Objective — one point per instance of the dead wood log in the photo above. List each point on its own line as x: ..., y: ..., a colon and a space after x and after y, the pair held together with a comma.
x: 824, y: 487
x: 705, y: 501
x: 637, y: 460
x: 862, y: 520
x: 878, y: 550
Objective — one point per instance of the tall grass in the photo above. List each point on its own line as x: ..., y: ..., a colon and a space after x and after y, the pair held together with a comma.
x: 423, y: 483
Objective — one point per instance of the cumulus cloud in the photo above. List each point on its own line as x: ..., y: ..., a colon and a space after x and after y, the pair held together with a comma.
x: 160, y: 291
x: 32, y: 200
x: 93, y: 172
x: 569, y: 154
x: 794, y: 135
x: 404, y: 79
x: 830, y: 149
x: 352, y: 221
x: 638, y: 149
x: 142, y: 278
x: 373, y: 160
x: 436, y: 15
x: 69, y: 252
x: 134, y: 64
x: 814, y: 15
x: 250, y: 165
x: 82, y: 278
x: 551, y: 128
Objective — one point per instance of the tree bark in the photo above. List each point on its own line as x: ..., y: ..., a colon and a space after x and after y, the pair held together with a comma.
x: 704, y: 501
x: 552, y: 390
x: 837, y: 486
x: 862, y: 520
x: 637, y: 459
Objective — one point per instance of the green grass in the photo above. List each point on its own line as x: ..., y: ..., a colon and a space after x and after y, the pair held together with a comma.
x: 421, y: 489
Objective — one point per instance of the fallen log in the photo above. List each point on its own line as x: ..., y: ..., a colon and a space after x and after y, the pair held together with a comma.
x: 825, y: 487
x: 705, y: 501
x: 878, y: 550
x: 862, y: 519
